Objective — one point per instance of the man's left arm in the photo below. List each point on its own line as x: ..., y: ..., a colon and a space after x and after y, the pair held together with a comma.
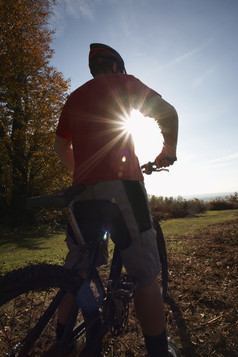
x: 64, y: 150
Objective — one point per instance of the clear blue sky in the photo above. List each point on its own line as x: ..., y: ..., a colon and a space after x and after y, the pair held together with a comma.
x: 187, y: 50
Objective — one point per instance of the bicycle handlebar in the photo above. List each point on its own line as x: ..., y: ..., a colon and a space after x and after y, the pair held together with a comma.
x: 57, y: 200
x: 151, y: 167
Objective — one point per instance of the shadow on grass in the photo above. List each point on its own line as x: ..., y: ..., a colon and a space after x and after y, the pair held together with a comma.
x: 27, y: 243
x: 25, y: 238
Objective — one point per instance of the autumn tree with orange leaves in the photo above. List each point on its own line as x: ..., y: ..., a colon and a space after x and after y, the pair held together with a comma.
x: 32, y: 94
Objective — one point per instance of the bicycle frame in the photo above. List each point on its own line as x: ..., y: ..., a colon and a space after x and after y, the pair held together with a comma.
x: 109, y: 310
x: 115, y: 291
x: 106, y: 296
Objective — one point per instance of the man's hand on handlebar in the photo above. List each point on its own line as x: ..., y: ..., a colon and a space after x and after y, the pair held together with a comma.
x: 151, y: 167
x: 160, y: 162
x: 164, y: 161
x: 167, y: 157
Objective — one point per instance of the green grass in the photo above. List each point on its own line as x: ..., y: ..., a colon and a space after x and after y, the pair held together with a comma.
x: 188, y: 225
x: 20, y: 249
x: 17, y: 251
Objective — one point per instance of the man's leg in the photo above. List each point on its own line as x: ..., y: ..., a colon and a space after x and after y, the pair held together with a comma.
x: 89, y: 305
x: 150, y: 312
x: 64, y: 310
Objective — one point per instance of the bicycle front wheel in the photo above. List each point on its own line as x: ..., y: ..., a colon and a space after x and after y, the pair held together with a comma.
x: 29, y: 299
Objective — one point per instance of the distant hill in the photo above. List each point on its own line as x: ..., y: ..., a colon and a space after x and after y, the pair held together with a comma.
x: 209, y: 196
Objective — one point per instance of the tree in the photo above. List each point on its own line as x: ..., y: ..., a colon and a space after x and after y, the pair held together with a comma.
x: 31, y: 96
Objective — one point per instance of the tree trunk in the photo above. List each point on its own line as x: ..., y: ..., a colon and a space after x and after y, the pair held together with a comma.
x: 19, y: 166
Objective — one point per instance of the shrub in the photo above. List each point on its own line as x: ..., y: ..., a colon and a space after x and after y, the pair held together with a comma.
x: 233, y: 199
x: 196, y: 206
x: 230, y: 202
x: 168, y: 207
x: 219, y: 205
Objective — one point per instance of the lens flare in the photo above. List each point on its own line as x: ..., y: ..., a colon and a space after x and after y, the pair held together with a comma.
x: 146, y: 136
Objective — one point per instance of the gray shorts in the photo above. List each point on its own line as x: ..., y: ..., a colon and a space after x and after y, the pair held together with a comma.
x: 141, y: 257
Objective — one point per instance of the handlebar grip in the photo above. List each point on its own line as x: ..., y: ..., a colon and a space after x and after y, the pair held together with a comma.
x: 151, y: 167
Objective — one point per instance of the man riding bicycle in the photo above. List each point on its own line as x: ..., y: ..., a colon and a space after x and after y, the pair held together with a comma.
x: 92, y: 141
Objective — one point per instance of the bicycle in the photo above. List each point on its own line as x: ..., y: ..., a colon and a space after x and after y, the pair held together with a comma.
x: 30, y: 297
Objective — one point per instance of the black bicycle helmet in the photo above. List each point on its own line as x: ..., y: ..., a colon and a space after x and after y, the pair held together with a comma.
x: 100, y: 54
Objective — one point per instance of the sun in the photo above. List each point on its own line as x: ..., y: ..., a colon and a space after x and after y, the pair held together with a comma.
x: 146, y: 136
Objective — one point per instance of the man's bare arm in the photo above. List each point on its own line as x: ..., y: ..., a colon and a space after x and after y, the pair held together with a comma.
x: 63, y: 148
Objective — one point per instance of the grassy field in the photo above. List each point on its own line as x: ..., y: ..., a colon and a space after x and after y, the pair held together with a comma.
x: 18, y: 249
x: 189, y: 225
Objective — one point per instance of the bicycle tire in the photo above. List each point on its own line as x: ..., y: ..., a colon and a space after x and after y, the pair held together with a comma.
x: 19, y: 312
x: 163, y: 257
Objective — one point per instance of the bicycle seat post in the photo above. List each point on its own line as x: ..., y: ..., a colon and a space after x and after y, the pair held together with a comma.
x: 72, y: 220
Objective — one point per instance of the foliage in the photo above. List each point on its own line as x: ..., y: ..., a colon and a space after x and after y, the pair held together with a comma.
x: 231, y: 202
x: 233, y: 198
x: 32, y: 93
x: 219, y: 205
x: 169, y: 207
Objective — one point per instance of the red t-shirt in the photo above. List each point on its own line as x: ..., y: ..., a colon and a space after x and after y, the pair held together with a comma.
x: 93, y: 117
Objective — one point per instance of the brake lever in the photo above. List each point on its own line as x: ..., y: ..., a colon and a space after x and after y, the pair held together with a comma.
x: 151, y: 167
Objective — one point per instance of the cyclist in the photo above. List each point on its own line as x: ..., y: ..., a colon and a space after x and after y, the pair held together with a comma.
x: 92, y: 141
